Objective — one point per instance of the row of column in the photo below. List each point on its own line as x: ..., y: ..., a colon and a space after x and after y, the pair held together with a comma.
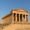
x: 16, y: 18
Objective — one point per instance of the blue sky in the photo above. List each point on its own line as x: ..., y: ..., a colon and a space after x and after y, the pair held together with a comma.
x: 7, y: 5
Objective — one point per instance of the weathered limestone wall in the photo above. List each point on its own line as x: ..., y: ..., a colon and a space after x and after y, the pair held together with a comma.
x: 7, y: 20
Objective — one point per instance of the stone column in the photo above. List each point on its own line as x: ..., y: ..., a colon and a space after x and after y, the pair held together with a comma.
x: 19, y: 17
x: 12, y: 18
x: 16, y: 18
x: 25, y: 18
x: 22, y: 17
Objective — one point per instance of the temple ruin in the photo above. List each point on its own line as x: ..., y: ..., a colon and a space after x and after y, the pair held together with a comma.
x: 17, y: 19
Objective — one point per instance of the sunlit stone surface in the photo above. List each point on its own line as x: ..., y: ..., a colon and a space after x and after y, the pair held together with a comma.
x: 17, y: 27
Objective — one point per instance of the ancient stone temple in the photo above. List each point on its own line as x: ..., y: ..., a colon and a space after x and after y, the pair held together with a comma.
x: 19, y: 16
x: 17, y: 20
